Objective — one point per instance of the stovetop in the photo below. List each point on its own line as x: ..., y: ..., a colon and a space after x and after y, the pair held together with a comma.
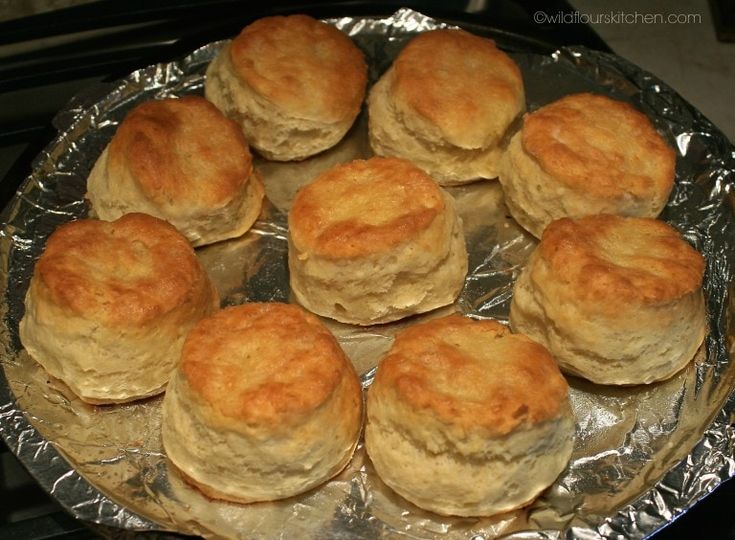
x: 48, y: 58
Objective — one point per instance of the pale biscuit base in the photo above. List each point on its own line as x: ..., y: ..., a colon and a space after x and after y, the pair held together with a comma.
x: 102, y: 365
x: 641, y: 346
x: 245, y: 466
x: 507, y: 476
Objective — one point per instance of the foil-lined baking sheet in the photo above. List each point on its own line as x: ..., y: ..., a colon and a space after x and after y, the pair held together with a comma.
x: 643, y: 455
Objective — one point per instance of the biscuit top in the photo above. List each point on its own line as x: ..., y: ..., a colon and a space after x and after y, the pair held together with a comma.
x: 305, y: 67
x: 181, y: 152
x: 265, y: 365
x: 473, y: 374
x: 461, y: 83
x: 610, y: 262
x: 363, y: 207
x: 601, y: 146
x: 124, y: 273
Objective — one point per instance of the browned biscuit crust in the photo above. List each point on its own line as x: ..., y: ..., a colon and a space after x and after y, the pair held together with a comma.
x: 124, y: 273
x: 364, y: 207
x: 461, y: 83
x: 601, y: 146
x: 181, y: 153
x: 264, y: 364
x: 472, y: 375
x: 305, y: 67
x: 180, y: 160
x: 614, y: 264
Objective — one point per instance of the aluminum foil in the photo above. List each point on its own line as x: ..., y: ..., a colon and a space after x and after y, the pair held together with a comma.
x: 643, y: 455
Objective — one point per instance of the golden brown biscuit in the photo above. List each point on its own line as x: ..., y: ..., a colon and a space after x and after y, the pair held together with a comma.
x: 263, y: 406
x: 465, y: 418
x: 373, y: 241
x: 616, y: 300
x: 183, y: 161
x: 110, y: 303
x: 294, y: 84
x: 586, y: 154
x: 445, y: 104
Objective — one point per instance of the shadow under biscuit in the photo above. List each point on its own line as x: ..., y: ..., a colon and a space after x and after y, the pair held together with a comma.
x: 307, y: 515
x: 366, y: 345
x: 283, y: 179
x: 253, y: 267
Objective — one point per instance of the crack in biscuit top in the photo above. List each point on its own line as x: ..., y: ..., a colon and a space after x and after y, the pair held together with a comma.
x: 263, y: 364
x: 614, y: 263
x: 470, y: 90
x: 126, y: 272
x: 364, y: 207
x: 600, y: 146
x: 474, y: 374
x: 182, y: 152
x: 305, y: 67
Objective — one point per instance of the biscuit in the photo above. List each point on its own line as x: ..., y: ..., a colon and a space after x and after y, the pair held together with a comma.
x: 465, y: 418
x: 373, y: 241
x: 616, y: 300
x: 294, y: 84
x: 110, y: 303
x: 180, y: 160
x: 264, y: 404
x: 585, y: 154
x: 445, y: 104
